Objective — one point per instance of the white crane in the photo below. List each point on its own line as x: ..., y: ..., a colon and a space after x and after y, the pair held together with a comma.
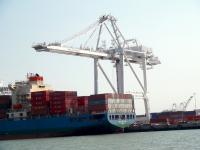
x: 122, y: 50
x: 185, y: 104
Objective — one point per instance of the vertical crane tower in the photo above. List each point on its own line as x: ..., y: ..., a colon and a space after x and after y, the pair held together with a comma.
x: 122, y: 51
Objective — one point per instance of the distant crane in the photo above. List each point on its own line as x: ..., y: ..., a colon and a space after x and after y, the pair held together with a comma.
x: 121, y: 51
x: 174, y: 107
x: 185, y: 104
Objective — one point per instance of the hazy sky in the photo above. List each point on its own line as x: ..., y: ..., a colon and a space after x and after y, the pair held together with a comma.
x: 171, y: 28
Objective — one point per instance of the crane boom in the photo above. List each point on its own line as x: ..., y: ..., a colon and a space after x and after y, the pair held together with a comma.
x: 132, y: 55
x: 188, y: 101
x: 72, y: 51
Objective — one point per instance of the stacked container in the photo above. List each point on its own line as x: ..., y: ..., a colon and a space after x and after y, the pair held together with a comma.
x: 113, y: 103
x: 62, y: 102
x: 5, y: 104
x: 82, y: 104
x: 40, y: 103
x: 173, y: 117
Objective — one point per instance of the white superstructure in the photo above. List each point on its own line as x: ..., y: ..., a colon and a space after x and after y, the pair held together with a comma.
x: 4, y: 90
x: 21, y: 90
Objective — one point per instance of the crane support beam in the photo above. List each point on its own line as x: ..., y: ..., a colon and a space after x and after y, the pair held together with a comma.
x: 120, y: 74
x: 110, y: 83
x: 146, y: 100
x: 134, y: 73
x: 96, y: 83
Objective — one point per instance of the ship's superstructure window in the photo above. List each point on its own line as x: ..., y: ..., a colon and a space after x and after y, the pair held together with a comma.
x: 122, y: 117
x: 113, y: 117
x: 116, y: 117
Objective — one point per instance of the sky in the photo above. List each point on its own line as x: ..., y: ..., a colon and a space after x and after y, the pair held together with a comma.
x: 171, y: 28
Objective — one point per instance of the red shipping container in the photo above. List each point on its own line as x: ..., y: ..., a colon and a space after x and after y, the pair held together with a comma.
x: 40, y: 99
x: 57, y: 98
x: 60, y: 103
x: 65, y: 102
x: 57, y: 110
x: 82, y: 101
x: 197, y: 118
x: 40, y: 93
x: 98, y: 108
x: 39, y: 107
x: 63, y: 93
x: 38, y: 103
x: 82, y: 109
x: 39, y: 110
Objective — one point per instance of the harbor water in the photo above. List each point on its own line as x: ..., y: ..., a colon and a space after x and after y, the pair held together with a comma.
x: 161, y: 140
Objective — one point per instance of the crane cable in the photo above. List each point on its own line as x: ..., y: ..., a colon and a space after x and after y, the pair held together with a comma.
x: 96, y: 23
x: 80, y: 33
x: 91, y: 35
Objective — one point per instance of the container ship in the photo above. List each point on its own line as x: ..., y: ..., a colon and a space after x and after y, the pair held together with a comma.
x: 35, y: 110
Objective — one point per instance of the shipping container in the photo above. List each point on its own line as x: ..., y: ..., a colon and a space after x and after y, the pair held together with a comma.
x: 63, y: 94
x: 40, y: 96
x: 39, y: 110
x: 38, y: 103
x: 110, y: 95
x: 113, y: 103
x: 97, y: 102
x: 82, y: 109
x: 154, y: 115
x: 62, y: 102
x: 82, y: 101
x: 190, y: 113
x: 98, y: 108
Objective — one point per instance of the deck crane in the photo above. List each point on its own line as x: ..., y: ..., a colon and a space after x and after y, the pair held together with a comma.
x: 121, y: 51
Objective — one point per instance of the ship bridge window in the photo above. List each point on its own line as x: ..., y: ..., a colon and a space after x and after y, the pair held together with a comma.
x: 123, y: 117
x: 116, y: 117
x: 113, y: 117
x: 128, y: 116
x: 110, y: 117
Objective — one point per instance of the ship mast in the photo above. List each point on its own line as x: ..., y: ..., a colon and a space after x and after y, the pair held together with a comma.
x: 122, y: 51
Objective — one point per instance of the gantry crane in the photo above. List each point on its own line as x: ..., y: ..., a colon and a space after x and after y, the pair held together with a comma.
x: 185, y: 104
x: 121, y: 51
